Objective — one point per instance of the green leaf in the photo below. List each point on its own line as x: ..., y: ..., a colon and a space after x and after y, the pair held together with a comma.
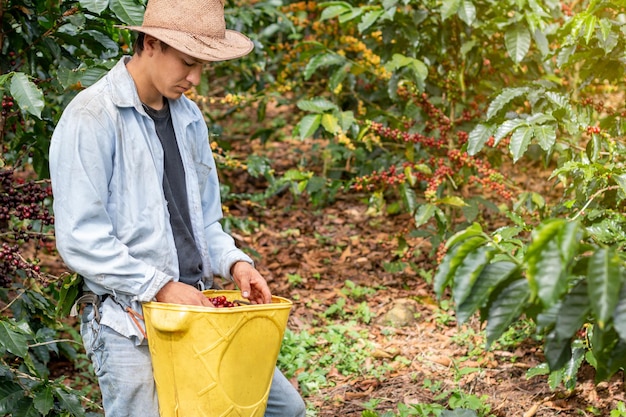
x: 545, y: 263
x: 559, y: 100
x: 459, y: 412
x: 27, y: 95
x: 334, y: 9
x: 317, y: 105
x: 478, y: 137
x: 517, y: 41
x: 320, y: 61
x: 351, y: 15
x: 564, y: 55
x: 541, y: 369
x: 409, y: 197
x: 453, y: 258
x: 604, y: 274
x: 589, y: 28
x: 545, y: 135
x: 5, y: 77
x: 468, y: 272
x: 10, y: 394
x: 569, y: 240
x: 557, y: 351
x: 128, y: 11
x: 12, y: 338
x: 89, y: 76
x: 490, y: 277
x: 541, y: 40
x: 608, y: 351
x: 621, y: 181
x: 94, y: 6
x: 417, y: 67
x: 345, y: 119
x: 452, y: 200
x: 619, y: 317
x: 424, y: 213
x: 474, y: 230
x: 611, y: 361
x: 467, y: 12
x: 369, y: 19
x: 570, y: 370
x: 520, y: 139
x: 506, y: 308
x: 69, y: 402
x: 507, y: 127
x: 24, y: 408
x: 573, y: 311
x: 43, y: 399
x: 84, y: 75
x: 104, y: 40
x: 330, y: 123
x: 338, y: 76
x: 449, y: 8
x: 70, y: 288
x: 308, y: 125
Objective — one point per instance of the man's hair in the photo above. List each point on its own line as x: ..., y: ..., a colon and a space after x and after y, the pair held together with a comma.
x: 138, y: 44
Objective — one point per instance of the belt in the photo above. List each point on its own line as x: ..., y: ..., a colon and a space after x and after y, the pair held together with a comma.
x: 92, y: 298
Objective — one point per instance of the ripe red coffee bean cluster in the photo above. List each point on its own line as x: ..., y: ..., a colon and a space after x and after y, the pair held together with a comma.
x: 23, y: 199
x: 7, y: 105
x: 24, y: 215
x: 221, y: 302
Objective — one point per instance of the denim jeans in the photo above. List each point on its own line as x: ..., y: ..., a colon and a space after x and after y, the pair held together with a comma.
x: 124, y: 372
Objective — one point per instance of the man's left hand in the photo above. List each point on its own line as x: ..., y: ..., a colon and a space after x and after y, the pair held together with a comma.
x: 251, y: 283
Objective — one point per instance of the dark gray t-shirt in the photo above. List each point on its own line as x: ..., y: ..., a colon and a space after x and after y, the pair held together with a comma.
x: 175, y: 189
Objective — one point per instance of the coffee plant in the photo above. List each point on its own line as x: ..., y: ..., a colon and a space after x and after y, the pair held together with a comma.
x: 566, y: 271
x: 419, y: 105
x: 393, y: 90
x: 49, y: 51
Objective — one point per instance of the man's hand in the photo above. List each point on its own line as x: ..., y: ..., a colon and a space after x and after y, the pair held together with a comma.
x: 252, y: 285
x: 181, y: 293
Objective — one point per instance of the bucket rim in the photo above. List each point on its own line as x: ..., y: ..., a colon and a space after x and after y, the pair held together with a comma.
x: 278, y: 303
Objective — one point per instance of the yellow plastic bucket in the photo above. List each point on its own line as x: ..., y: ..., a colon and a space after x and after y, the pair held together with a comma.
x: 215, y: 361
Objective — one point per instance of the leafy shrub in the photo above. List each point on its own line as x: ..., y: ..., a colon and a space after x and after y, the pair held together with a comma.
x: 567, y: 271
x: 419, y: 103
x: 52, y: 51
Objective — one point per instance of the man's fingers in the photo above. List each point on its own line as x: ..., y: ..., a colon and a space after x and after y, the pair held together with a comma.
x: 245, y: 290
x: 205, y: 301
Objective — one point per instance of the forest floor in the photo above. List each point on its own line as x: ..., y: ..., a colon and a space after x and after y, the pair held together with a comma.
x: 342, y: 241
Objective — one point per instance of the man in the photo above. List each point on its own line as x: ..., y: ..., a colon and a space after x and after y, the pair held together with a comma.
x: 137, y: 204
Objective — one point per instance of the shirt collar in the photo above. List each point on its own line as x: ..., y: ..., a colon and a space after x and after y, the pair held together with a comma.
x: 123, y: 89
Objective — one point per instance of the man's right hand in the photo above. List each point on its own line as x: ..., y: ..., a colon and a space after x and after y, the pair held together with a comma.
x: 181, y: 293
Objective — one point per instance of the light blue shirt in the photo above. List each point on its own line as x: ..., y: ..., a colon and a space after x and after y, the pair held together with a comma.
x: 111, y: 219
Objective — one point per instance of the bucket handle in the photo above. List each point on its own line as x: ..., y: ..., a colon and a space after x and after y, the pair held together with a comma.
x: 170, y: 321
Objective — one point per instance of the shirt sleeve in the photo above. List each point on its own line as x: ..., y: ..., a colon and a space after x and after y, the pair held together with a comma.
x: 223, y: 252
x: 81, y: 165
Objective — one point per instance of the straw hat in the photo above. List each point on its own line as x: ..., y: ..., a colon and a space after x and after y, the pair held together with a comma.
x: 195, y: 27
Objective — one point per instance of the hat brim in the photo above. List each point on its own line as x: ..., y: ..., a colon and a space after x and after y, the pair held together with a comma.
x: 234, y: 45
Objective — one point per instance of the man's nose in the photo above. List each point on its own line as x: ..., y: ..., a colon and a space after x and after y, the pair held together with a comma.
x: 194, y: 75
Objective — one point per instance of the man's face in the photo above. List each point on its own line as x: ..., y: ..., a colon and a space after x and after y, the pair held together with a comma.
x: 175, y: 72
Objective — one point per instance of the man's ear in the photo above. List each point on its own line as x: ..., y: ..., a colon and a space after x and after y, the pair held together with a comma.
x: 150, y: 43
